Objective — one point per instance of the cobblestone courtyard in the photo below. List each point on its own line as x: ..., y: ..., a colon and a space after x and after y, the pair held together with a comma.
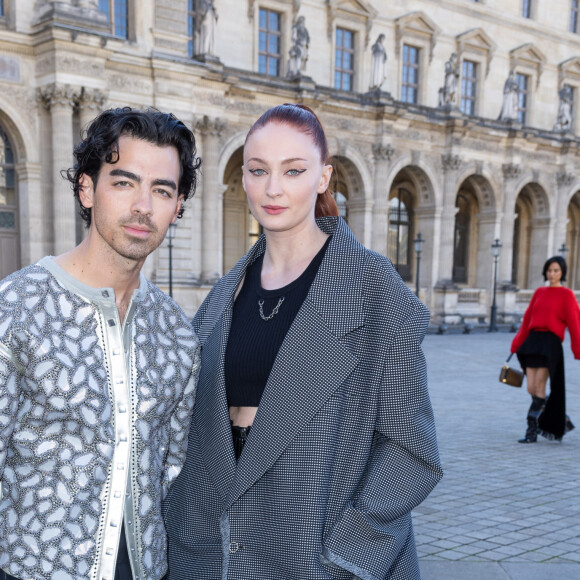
x: 500, y: 502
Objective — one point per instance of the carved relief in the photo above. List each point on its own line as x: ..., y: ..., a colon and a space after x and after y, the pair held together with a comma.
x: 511, y: 170
x: 92, y: 99
x: 382, y: 152
x: 207, y: 126
x: 130, y: 84
x: 56, y: 95
x: 565, y: 179
x: 450, y: 162
x: 86, y: 67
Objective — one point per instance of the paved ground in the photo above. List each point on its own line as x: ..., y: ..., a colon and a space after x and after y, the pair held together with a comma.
x: 503, y: 510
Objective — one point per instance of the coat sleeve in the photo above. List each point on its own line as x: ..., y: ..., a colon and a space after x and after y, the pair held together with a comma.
x: 179, y: 427
x: 573, y: 323
x: 10, y: 377
x: 403, y: 465
x: 524, y: 330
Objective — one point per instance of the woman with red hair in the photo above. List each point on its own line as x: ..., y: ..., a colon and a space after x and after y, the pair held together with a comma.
x: 313, y: 436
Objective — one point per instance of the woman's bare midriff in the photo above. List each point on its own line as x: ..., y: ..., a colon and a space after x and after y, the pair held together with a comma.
x: 243, y: 416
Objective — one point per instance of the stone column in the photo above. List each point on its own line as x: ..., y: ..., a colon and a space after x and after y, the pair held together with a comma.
x: 60, y: 99
x: 211, y: 200
x: 511, y: 172
x: 450, y: 164
x: 382, y: 155
x: 30, y: 209
x: 564, y: 181
x: 91, y: 102
x: 539, y: 250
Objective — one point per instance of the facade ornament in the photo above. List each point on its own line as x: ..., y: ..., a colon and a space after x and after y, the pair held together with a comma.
x: 564, y: 118
x: 509, y: 109
x: 378, y: 64
x: 207, y: 126
x: 206, y: 26
x: 565, y: 179
x: 448, y: 92
x: 299, y: 49
x: 58, y: 95
x: 93, y: 99
x: 511, y: 170
x: 382, y: 152
x: 450, y: 162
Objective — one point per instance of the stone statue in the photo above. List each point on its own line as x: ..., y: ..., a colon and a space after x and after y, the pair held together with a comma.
x: 378, y: 63
x: 299, y: 51
x: 564, y: 119
x: 509, y: 109
x: 207, y: 22
x: 448, y: 91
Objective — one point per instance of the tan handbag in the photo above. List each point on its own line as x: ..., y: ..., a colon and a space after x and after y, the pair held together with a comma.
x: 510, y: 376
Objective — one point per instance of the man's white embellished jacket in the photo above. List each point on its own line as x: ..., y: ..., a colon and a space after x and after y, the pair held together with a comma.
x: 94, y: 417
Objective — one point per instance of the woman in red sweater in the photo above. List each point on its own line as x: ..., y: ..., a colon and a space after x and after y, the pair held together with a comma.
x: 538, y: 345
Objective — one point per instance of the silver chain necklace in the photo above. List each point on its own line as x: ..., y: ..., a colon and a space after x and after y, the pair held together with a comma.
x: 273, y: 313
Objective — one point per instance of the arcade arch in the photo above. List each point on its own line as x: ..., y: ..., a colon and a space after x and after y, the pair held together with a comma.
x: 9, y: 222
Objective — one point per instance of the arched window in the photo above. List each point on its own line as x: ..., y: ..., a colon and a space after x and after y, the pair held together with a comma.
x: 400, y: 235
x: 461, y: 239
x: 9, y: 239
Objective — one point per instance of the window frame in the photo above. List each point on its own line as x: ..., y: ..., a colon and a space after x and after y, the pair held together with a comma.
x: 473, y: 99
x: 527, y: 9
x: 523, y: 111
x: 349, y: 73
x: 191, y: 33
x: 574, y: 15
x: 416, y: 66
x: 112, y: 19
x: 279, y: 59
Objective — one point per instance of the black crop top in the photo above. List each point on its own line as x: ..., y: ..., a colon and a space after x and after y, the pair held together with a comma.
x: 253, y: 343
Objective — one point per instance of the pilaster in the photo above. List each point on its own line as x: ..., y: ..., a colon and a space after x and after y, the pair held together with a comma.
x: 60, y: 100
x: 382, y: 155
x: 212, y: 200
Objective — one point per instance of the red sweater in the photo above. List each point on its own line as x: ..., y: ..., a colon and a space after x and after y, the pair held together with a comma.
x: 551, y: 309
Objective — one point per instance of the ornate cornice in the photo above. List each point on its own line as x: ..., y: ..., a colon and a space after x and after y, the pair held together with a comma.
x: 511, y: 170
x: 450, y: 162
x: 382, y: 152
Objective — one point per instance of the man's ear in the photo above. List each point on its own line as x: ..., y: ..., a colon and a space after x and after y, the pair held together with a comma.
x: 86, y: 191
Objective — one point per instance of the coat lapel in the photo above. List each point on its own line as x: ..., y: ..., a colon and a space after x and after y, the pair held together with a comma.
x: 312, y: 362
x: 210, y: 414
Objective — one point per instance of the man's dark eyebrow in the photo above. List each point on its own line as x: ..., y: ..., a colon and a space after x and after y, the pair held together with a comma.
x: 122, y: 173
x: 166, y: 182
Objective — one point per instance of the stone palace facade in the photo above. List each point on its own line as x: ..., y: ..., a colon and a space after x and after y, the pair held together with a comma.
x: 453, y: 119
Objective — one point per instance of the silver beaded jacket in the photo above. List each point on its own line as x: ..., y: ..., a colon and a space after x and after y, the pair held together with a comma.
x: 94, y: 417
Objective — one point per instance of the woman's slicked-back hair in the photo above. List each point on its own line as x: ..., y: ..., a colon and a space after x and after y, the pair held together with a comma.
x: 559, y: 260
x: 304, y: 119
x: 100, y: 144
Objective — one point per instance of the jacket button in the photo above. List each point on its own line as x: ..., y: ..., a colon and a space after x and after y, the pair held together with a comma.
x: 234, y: 547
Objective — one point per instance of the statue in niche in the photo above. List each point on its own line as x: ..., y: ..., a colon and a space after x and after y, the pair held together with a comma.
x: 207, y: 23
x: 378, y: 63
x: 448, y: 91
x: 564, y: 118
x: 509, y: 108
x: 299, y: 51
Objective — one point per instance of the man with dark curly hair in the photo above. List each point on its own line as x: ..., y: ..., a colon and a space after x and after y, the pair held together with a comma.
x: 98, y: 368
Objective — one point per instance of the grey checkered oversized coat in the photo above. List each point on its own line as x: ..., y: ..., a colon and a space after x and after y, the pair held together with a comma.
x: 343, y: 446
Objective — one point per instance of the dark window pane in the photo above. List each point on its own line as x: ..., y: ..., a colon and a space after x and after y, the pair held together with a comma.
x: 274, y: 21
x: 273, y: 67
x: 339, y: 41
x: 262, y: 64
x: 273, y: 48
x: 104, y: 7
x: 263, y: 18
x: 121, y: 18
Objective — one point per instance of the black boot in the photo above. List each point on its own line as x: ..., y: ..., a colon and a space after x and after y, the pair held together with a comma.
x: 534, y: 413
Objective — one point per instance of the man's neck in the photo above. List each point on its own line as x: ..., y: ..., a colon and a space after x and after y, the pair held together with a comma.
x: 120, y: 274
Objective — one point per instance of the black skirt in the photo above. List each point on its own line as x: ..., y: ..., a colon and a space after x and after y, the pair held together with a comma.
x: 544, y: 349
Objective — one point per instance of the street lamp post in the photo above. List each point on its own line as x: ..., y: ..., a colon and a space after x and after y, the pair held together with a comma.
x: 563, y: 250
x: 418, y: 243
x: 495, y: 251
x: 170, y: 237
